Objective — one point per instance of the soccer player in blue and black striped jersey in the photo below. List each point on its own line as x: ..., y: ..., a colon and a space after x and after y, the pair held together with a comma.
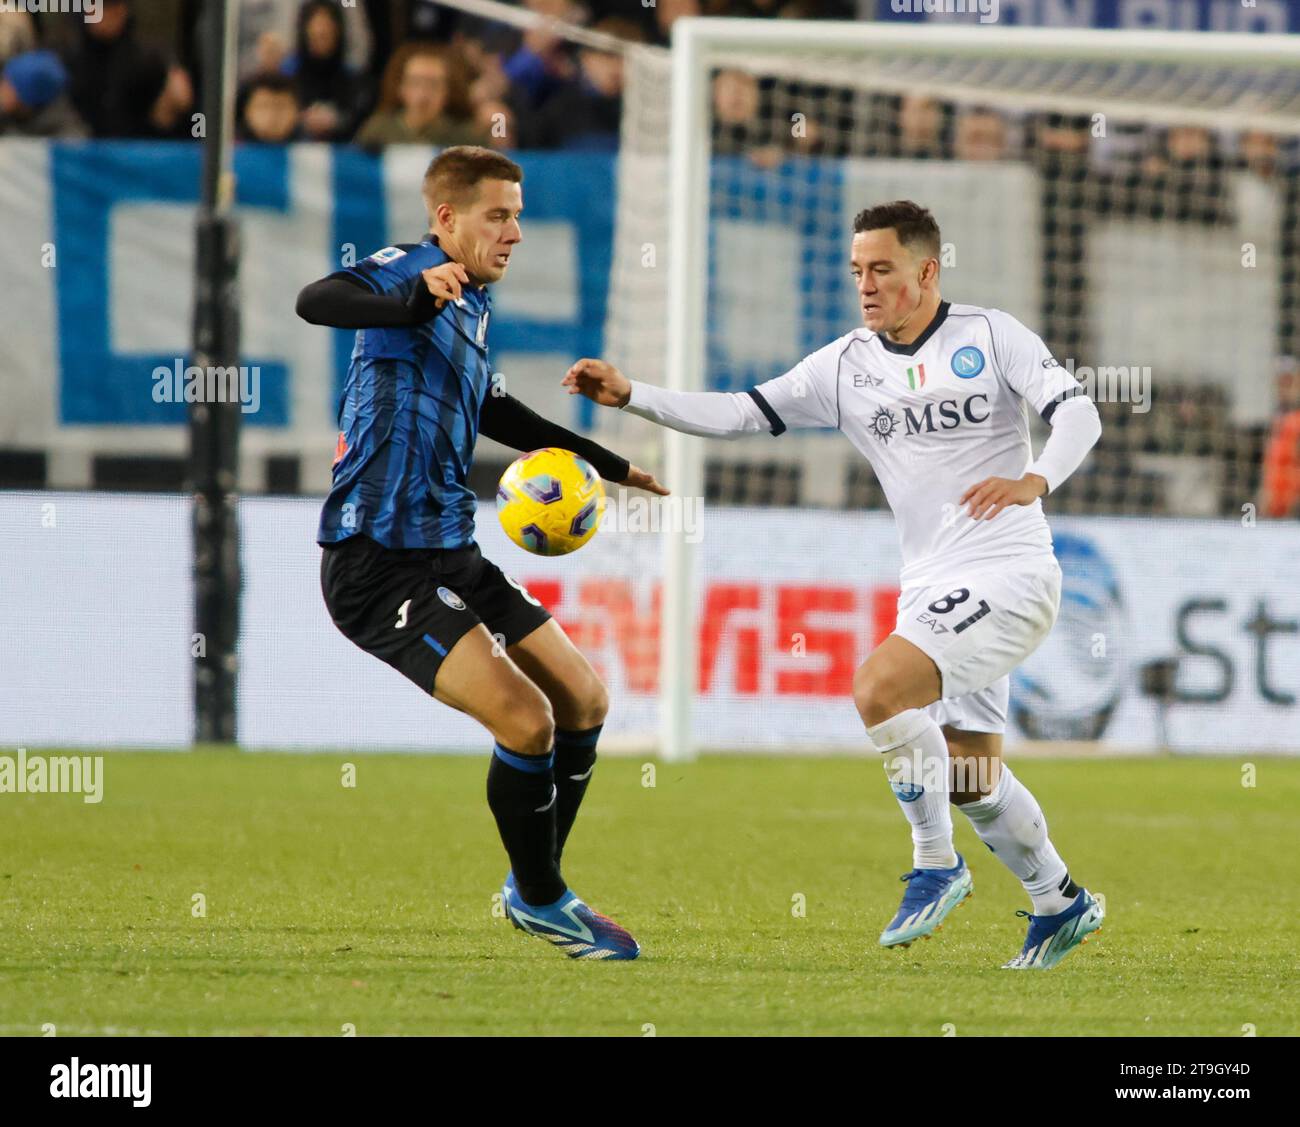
x: 400, y: 571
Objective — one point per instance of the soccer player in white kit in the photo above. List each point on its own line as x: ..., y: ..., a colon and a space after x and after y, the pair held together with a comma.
x: 935, y: 396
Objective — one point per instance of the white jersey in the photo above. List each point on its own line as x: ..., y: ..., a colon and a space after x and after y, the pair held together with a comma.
x: 934, y: 418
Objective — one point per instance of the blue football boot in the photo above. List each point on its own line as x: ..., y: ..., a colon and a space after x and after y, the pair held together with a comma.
x: 576, y: 929
x: 1051, y: 938
x: 931, y: 894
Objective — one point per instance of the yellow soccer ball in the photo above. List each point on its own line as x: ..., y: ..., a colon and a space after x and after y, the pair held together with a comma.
x: 550, y: 502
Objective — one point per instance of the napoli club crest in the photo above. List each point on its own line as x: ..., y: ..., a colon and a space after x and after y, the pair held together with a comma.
x: 968, y: 362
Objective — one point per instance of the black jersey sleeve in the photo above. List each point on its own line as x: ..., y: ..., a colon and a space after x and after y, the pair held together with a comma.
x: 505, y: 419
x: 343, y: 301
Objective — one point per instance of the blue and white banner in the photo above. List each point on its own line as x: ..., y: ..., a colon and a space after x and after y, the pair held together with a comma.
x: 99, y: 252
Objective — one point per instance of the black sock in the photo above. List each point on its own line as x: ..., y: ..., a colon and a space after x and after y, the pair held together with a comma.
x: 522, y: 796
x: 575, y: 756
x: 1067, y: 887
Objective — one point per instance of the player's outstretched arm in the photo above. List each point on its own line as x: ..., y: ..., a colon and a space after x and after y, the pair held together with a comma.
x: 709, y: 414
x: 343, y: 301
x: 505, y: 419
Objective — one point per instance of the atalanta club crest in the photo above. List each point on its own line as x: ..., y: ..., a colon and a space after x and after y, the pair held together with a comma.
x: 452, y: 599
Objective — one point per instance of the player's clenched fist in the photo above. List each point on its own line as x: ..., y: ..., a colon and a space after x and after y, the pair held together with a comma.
x: 445, y: 281
x: 599, y: 381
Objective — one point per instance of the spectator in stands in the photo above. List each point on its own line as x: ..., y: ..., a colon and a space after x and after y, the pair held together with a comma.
x: 425, y: 101
x: 1062, y: 136
x: 269, y: 110
x: 101, y: 65
x: 332, y: 96
x: 34, y: 100
x: 154, y: 101
x: 266, y: 34
x: 17, y: 34
x: 490, y: 82
x: 980, y: 134
x: 543, y: 64
x: 740, y: 125
x: 1184, y: 176
x: 1258, y: 152
x: 1280, y: 480
x: 922, y: 127
x: 668, y: 12
x: 585, y: 114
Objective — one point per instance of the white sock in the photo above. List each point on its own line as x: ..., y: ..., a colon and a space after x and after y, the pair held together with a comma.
x: 1011, y: 823
x: 916, y: 762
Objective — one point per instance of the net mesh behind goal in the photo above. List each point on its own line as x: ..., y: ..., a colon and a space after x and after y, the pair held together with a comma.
x: 1140, y: 213
x: 1135, y: 203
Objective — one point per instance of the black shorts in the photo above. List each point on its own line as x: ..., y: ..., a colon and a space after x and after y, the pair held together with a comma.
x: 409, y: 606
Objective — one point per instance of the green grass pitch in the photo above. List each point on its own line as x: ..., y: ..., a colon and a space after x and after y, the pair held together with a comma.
x: 372, y: 906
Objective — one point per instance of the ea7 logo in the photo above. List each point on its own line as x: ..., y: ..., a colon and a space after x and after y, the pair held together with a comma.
x: 866, y: 379
x: 950, y: 414
x: 102, y: 1081
x: 936, y: 627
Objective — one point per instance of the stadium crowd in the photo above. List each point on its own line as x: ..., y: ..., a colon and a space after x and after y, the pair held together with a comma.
x: 374, y: 72
x: 381, y: 72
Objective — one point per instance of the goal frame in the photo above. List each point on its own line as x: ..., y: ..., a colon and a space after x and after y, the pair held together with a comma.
x: 693, y: 41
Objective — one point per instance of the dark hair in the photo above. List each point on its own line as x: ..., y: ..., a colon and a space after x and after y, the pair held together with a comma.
x: 914, y: 225
x: 305, y: 15
x: 454, y: 173
x: 275, y: 83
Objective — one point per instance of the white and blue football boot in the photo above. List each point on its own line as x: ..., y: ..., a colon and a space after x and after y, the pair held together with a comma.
x: 576, y: 929
x: 1051, y: 938
x: 931, y: 894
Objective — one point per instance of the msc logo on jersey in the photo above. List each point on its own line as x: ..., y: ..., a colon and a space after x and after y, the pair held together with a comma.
x: 968, y: 362
x: 951, y: 415
x: 884, y: 424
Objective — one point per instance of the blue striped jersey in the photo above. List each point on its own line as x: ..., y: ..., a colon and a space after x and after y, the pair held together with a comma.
x: 408, y: 415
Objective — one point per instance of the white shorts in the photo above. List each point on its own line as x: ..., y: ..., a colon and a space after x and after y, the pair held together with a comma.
x: 977, y: 631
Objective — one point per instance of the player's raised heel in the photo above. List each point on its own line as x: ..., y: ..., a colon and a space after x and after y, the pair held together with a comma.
x: 1051, y: 938
x: 571, y: 925
x: 931, y: 894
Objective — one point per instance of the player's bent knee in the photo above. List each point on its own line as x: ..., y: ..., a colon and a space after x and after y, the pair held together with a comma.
x: 595, y: 704
x: 528, y: 731
x: 878, y: 698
